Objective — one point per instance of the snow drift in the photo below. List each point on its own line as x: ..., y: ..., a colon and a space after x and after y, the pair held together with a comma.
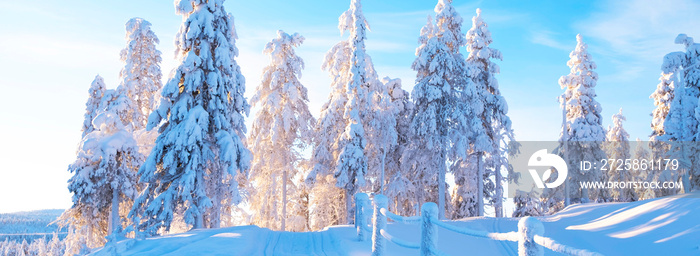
x: 663, y: 226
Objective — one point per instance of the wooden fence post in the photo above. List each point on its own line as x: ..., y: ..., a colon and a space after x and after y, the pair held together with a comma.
x: 528, y: 227
x: 429, y: 231
x: 379, y: 219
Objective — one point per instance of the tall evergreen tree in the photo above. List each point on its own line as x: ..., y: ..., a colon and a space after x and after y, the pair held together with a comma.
x: 281, y: 130
x: 663, y: 97
x: 399, y: 188
x: 382, y: 134
x: 351, y: 165
x: 104, y: 176
x: 681, y: 125
x: 583, y: 132
x: 345, y: 119
x: 96, y: 91
x: 617, y: 146
x: 200, y: 149
x: 326, y: 200
x: 141, y: 74
x: 491, y: 124
x: 436, y: 132
x: 676, y: 139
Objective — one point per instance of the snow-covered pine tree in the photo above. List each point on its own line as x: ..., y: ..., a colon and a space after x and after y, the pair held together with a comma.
x: 584, y: 130
x: 96, y: 91
x: 382, y: 134
x: 407, y: 193
x: 281, y: 130
x: 37, y: 247
x: 201, y: 146
x: 681, y: 125
x: 663, y: 97
x: 342, y: 127
x: 492, y: 132
x: 326, y: 201
x: 140, y: 77
x: 436, y: 128
x: 55, y: 247
x: 617, y: 146
x: 399, y: 188
x: 351, y: 165
x: 691, y: 79
x: 676, y: 139
x: 104, y: 176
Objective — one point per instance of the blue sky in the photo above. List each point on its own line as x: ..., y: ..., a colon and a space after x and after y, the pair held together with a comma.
x: 50, y: 51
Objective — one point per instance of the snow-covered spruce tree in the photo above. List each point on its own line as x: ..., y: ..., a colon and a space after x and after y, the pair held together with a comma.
x: 351, y: 165
x: 691, y: 80
x: 382, y: 134
x: 96, y: 91
x: 584, y: 132
x: 438, y: 127
x: 326, y: 201
x: 340, y: 149
x: 491, y: 125
x: 200, y: 149
x: 617, y: 146
x: 677, y: 138
x: 399, y: 188
x: 140, y: 77
x: 402, y: 190
x: 681, y: 124
x: 663, y: 97
x: 55, y: 247
x: 281, y: 130
x: 104, y: 176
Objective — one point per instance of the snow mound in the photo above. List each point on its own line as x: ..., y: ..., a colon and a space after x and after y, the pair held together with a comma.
x: 663, y: 226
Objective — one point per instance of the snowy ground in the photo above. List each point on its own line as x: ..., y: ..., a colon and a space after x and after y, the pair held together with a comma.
x: 665, y: 226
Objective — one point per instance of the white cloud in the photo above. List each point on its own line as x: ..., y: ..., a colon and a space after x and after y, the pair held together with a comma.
x: 546, y: 38
x: 642, y: 29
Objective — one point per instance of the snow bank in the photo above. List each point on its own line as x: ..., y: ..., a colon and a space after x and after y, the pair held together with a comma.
x: 593, y: 227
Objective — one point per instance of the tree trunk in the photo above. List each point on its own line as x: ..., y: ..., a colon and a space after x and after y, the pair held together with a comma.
x: 114, y: 214
x: 215, y: 218
x: 199, y: 217
x: 381, y: 181
x: 441, y: 189
x: 565, y: 138
x: 498, y: 206
x: 348, y: 207
x: 284, y: 199
x: 480, y: 186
